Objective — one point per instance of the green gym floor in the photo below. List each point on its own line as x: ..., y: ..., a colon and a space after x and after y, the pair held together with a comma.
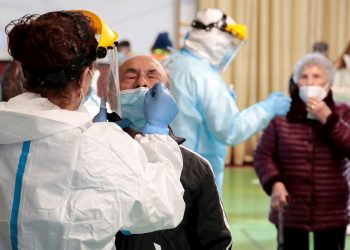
x: 246, y: 206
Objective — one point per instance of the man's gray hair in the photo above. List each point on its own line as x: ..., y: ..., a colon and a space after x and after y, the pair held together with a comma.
x: 314, y: 59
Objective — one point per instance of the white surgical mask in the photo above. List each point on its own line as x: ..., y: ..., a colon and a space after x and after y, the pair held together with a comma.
x: 314, y: 91
x: 132, y: 102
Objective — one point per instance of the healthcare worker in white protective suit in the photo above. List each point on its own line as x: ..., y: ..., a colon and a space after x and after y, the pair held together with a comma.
x: 208, y: 116
x: 65, y: 182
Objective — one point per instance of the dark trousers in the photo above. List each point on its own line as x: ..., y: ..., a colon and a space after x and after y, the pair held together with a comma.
x: 296, y: 239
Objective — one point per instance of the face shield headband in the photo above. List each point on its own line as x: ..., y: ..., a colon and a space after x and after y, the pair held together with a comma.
x: 108, y: 38
x: 237, y: 30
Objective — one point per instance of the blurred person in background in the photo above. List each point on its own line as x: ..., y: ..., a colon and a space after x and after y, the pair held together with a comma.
x: 300, y: 161
x: 10, y: 81
x: 124, y: 50
x: 341, y: 91
x: 162, y: 46
x: 321, y: 47
x: 341, y: 86
x: 209, y: 118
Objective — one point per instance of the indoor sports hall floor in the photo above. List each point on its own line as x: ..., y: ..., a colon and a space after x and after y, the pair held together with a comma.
x: 246, y: 207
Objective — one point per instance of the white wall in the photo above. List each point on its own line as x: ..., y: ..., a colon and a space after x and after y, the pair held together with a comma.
x: 136, y: 20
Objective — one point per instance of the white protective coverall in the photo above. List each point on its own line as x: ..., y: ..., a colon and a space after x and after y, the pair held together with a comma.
x: 68, y: 183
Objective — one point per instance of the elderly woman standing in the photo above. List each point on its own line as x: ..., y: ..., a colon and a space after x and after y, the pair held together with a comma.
x: 300, y: 160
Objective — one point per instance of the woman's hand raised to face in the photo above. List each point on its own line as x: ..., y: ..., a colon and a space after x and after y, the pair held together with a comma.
x: 318, y: 109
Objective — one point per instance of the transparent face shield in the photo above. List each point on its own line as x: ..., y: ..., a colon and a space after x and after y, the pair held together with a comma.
x: 105, y: 83
x: 105, y: 79
x: 239, y: 32
x: 231, y: 52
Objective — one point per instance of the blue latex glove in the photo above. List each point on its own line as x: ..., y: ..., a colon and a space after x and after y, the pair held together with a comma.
x: 160, y: 109
x: 277, y: 103
x: 102, y: 114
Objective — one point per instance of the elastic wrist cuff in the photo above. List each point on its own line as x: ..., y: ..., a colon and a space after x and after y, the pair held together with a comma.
x: 150, y: 129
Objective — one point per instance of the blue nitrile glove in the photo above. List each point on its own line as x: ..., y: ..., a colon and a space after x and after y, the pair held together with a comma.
x: 160, y: 109
x: 277, y: 104
x: 102, y: 114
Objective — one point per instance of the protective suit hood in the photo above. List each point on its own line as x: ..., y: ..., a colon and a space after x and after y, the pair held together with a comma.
x: 39, y: 119
x: 210, y: 46
x: 213, y: 35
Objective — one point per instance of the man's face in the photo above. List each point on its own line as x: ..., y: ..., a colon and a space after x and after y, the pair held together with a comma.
x: 141, y: 71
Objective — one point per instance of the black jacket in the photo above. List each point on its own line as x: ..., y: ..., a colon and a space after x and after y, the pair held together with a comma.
x: 204, y: 225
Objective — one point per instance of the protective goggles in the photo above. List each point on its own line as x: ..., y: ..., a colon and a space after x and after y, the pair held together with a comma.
x: 237, y: 30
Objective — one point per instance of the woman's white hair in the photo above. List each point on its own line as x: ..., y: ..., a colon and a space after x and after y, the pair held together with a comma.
x: 314, y: 59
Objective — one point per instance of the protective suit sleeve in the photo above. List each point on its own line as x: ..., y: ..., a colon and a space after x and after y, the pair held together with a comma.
x: 160, y: 204
x: 229, y: 126
x: 142, y: 174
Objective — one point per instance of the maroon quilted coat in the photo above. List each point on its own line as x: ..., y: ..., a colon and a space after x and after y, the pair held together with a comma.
x: 309, y: 159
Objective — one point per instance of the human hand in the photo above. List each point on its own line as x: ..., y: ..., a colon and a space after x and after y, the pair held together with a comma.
x: 279, y: 197
x: 318, y: 109
x: 160, y: 109
x: 277, y: 103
